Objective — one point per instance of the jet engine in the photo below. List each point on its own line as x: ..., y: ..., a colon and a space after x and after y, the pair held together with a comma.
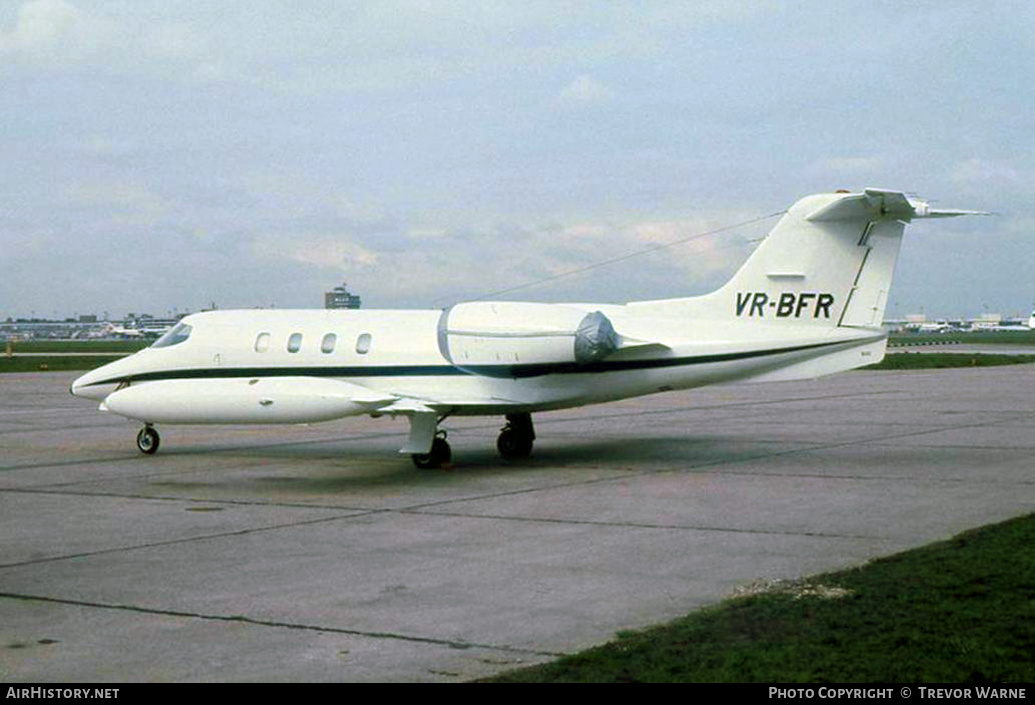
x: 511, y: 339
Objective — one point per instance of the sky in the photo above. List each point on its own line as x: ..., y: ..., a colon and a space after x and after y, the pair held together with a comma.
x: 163, y: 157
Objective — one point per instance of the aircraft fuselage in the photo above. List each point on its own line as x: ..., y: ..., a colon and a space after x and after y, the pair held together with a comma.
x: 808, y: 302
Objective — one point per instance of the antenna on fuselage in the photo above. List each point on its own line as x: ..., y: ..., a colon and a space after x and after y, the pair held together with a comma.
x: 622, y: 258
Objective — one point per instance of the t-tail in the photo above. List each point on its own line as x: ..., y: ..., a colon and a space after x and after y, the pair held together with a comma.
x: 822, y: 274
x: 828, y: 262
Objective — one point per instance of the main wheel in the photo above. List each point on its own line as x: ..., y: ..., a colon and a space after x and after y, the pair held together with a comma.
x: 512, y: 444
x: 439, y: 455
x: 147, y: 440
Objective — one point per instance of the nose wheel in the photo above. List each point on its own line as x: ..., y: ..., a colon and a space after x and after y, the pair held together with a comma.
x: 147, y: 440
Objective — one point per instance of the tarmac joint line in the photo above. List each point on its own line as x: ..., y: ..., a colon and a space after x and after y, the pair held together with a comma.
x: 242, y: 619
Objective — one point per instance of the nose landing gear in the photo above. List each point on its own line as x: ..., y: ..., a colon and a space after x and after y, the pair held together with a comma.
x: 148, y: 439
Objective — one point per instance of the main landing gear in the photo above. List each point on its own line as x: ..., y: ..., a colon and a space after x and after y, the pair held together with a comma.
x: 516, y: 438
x: 439, y: 455
x: 148, y: 439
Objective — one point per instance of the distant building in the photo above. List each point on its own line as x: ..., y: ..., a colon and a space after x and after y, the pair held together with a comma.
x: 339, y: 297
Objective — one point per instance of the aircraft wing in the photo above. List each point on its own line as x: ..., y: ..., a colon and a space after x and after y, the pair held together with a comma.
x: 409, y: 406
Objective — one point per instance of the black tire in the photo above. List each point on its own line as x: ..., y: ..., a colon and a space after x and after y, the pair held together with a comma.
x: 511, y: 444
x: 439, y: 455
x: 148, y: 440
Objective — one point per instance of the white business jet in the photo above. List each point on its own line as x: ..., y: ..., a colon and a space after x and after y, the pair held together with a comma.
x: 808, y: 302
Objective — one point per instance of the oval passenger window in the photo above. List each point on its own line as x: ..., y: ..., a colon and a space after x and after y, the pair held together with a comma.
x: 328, y: 343
x: 363, y: 344
x: 262, y: 342
x: 294, y: 343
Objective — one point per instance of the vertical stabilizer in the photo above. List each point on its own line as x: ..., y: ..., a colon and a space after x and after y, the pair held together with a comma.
x: 828, y: 262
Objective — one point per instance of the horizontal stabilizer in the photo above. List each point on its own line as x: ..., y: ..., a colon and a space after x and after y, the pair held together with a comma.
x: 879, y: 204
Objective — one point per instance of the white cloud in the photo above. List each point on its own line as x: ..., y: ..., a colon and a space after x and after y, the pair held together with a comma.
x: 103, y: 146
x: 552, y: 263
x: 54, y: 31
x: 174, y: 41
x: 691, y: 246
x: 977, y: 170
x: 854, y: 164
x: 427, y: 233
x: 848, y: 168
x: 585, y: 90
x: 323, y: 251
x: 122, y: 202
x: 57, y: 34
x: 41, y: 23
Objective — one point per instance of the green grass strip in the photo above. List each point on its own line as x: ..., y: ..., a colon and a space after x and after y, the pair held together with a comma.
x: 934, y: 360
x: 953, y: 612
x: 57, y: 363
x: 72, y: 346
x: 994, y: 337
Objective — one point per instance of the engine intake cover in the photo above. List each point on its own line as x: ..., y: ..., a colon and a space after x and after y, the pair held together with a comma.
x: 511, y: 339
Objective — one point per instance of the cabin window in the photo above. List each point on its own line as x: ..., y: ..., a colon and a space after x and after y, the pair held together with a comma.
x: 262, y: 343
x: 175, y: 336
x: 328, y: 343
x: 294, y: 343
x: 363, y: 344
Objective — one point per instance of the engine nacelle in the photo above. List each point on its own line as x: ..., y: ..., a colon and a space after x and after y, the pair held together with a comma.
x: 511, y: 339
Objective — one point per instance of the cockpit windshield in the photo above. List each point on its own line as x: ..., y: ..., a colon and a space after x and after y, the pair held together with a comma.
x: 174, y: 336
